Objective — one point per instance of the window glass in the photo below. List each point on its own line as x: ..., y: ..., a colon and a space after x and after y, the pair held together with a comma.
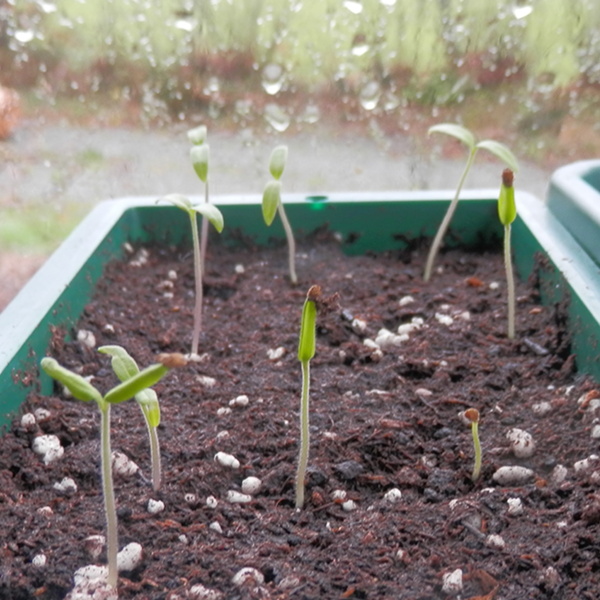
x: 97, y: 96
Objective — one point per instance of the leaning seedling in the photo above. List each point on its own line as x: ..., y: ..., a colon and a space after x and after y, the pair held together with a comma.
x: 271, y: 204
x: 507, y: 212
x: 81, y: 389
x: 306, y: 351
x: 125, y: 368
x: 472, y: 416
x: 466, y: 137
x: 213, y: 214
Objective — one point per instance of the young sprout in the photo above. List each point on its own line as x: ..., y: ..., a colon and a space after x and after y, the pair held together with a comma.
x: 472, y: 415
x: 213, y: 214
x: 507, y: 212
x: 466, y: 137
x: 199, y: 153
x: 271, y: 204
x: 306, y: 351
x: 81, y: 389
x: 125, y: 368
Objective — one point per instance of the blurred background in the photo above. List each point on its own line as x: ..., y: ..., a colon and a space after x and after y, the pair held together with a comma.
x: 96, y: 97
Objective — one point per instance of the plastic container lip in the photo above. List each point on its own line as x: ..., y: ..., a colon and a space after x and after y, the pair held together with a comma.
x: 52, y: 293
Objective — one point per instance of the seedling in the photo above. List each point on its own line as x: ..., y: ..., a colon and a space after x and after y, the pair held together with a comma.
x: 213, y: 214
x: 466, y: 137
x: 271, y: 204
x: 472, y: 415
x: 125, y: 368
x: 81, y: 389
x: 306, y: 351
x: 507, y: 212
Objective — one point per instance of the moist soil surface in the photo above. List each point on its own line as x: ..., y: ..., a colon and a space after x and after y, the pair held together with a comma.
x: 380, y: 420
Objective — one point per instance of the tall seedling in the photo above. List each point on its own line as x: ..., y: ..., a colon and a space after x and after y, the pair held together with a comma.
x: 468, y: 139
x: 306, y: 351
x: 125, y: 368
x: 213, y: 214
x: 81, y: 389
x: 507, y: 212
x: 272, y: 204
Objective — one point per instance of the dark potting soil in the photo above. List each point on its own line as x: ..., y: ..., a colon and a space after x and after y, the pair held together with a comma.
x: 380, y: 419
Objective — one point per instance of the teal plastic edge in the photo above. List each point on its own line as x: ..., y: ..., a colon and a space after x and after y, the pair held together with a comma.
x: 574, y: 198
x: 52, y: 301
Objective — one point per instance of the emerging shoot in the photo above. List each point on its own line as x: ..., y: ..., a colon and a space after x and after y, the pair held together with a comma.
x: 213, y: 214
x: 507, y: 212
x: 472, y: 415
x: 271, y: 204
x: 125, y: 368
x: 468, y: 139
x: 306, y: 351
x: 81, y: 389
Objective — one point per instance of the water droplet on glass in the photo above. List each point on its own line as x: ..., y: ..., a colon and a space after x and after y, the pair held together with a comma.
x: 369, y: 95
x: 185, y: 24
x: 391, y: 102
x: 277, y: 118
x: 212, y: 86
x: 23, y: 36
x: 273, y: 77
x: 521, y: 12
x: 311, y: 114
x: 64, y: 22
x: 354, y: 6
x: 47, y: 7
x: 360, y: 49
x: 243, y: 107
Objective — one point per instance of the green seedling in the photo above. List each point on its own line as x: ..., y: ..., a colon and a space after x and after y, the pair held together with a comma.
x: 472, y: 415
x: 306, y: 351
x: 213, y: 214
x: 272, y: 204
x: 199, y: 154
x: 125, y: 368
x: 507, y: 212
x: 83, y: 390
x: 468, y: 139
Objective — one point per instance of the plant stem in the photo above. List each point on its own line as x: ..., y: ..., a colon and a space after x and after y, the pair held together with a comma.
x: 510, y: 283
x: 112, y: 541
x: 291, y: 243
x: 477, y: 447
x: 441, y: 232
x: 199, y: 287
x: 155, y: 456
x: 304, y: 435
x: 204, y: 232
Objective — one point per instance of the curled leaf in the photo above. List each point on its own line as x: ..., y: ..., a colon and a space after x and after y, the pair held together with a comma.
x: 121, y: 362
x: 177, y: 200
x: 278, y: 161
x: 199, y: 158
x: 500, y: 151
x: 143, y: 380
x: 212, y: 213
x: 271, y: 200
x: 148, y: 401
x: 456, y: 131
x: 80, y: 388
